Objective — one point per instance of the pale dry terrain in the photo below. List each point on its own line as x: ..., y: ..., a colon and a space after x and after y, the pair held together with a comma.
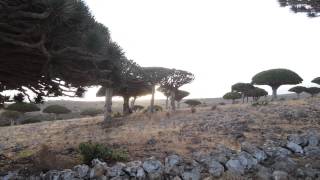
x: 144, y: 136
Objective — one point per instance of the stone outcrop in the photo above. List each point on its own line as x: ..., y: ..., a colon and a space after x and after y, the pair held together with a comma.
x: 270, y: 161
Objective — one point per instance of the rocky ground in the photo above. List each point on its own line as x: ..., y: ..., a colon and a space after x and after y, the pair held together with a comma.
x: 252, y: 141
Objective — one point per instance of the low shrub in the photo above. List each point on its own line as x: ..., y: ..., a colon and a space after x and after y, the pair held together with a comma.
x: 90, y: 151
x: 117, y: 115
x: 193, y: 110
x: 56, y: 109
x: 137, y: 108
x: 23, y: 107
x: 222, y: 103
x: 30, y: 120
x: 261, y: 103
x: 91, y: 112
x: 192, y: 103
x: 214, y: 107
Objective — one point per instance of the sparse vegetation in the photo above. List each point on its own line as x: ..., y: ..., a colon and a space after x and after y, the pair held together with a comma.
x: 137, y: 108
x: 9, y: 118
x: 192, y: 102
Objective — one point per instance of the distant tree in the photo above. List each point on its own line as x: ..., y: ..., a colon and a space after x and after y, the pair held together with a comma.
x: 155, y: 75
x: 242, y: 88
x: 298, y: 90
x: 166, y: 92
x: 256, y: 93
x: 316, y: 80
x: 180, y: 94
x: 174, y: 81
x: 56, y: 109
x: 313, y: 91
x: 18, y: 98
x: 3, y: 99
x: 232, y: 96
x: 10, y: 116
x: 275, y: 78
x: 311, y: 7
x: 192, y: 103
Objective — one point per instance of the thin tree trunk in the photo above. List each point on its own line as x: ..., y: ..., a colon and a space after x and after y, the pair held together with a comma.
x: 167, y: 103
x: 133, y: 101
x: 178, y: 104
x: 298, y: 95
x: 151, y: 110
x: 274, y: 93
x: 173, y: 104
x: 108, y: 105
x: 243, y: 97
x: 233, y: 101
x: 126, y: 108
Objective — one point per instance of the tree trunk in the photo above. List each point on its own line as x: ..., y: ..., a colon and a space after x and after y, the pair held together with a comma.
x: 243, y: 97
x: 298, y: 95
x: 108, y: 105
x: 274, y: 92
x: 167, y: 103
x: 133, y: 101
x: 178, y: 104
x: 173, y: 104
x: 233, y: 101
x: 151, y: 110
x: 126, y: 108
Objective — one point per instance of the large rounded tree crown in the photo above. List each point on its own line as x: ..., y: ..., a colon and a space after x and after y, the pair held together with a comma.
x: 316, y: 80
x: 276, y: 78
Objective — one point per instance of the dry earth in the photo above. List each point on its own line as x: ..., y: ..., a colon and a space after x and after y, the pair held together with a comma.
x: 143, y: 136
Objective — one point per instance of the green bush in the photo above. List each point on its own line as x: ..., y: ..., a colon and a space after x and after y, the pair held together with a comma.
x: 90, y: 151
x: 23, y: 107
x: 91, y: 112
x: 30, y: 120
x: 56, y: 109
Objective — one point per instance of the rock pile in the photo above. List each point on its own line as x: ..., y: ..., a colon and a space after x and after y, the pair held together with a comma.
x: 296, y: 158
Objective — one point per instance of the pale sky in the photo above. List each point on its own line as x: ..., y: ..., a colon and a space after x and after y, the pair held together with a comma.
x: 221, y: 42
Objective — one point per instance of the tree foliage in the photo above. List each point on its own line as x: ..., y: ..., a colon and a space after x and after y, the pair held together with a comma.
x: 312, y: 91
x: 275, y: 78
x: 180, y: 94
x: 298, y: 89
x: 242, y: 87
x: 18, y: 98
x: 311, y: 7
x: 256, y: 93
x: 316, y: 80
x: 53, y: 48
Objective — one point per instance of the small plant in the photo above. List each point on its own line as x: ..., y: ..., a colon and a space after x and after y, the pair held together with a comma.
x: 91, y: 112
x: 117, y: 115
x: 90, y: 151
x: 222, y: 103
x: 156, y: 108
x: 23, y: 107
x: 214, y: 107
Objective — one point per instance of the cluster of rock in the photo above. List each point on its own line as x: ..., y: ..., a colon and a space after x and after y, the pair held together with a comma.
x: 291, y: 159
